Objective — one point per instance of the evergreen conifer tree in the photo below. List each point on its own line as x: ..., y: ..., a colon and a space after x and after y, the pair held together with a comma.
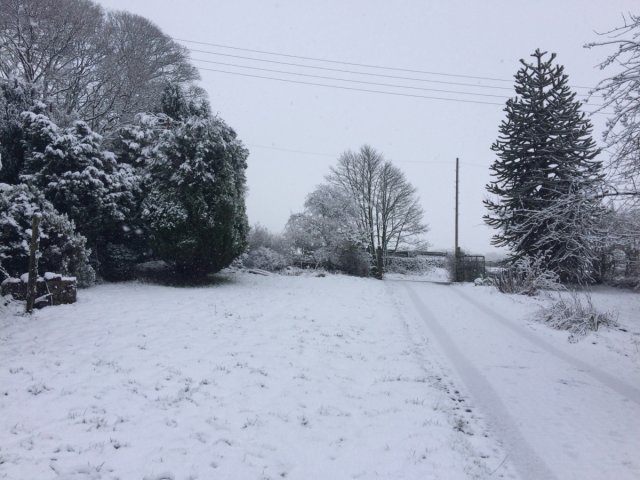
x: 79, y: 178
x: 545, y: 201
x: 195, y: 206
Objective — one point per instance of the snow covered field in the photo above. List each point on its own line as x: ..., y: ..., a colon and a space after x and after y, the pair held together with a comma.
x: 308, y: 377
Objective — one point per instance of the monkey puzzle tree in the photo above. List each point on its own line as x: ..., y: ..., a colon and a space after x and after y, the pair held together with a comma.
x: 545, y: 188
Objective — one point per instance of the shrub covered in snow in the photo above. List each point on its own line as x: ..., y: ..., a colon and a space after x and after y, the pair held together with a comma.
x: 352, y: 259
x: 118, y: 262
x: 576, y: 314
x: 16, y: 96
x: 266, y: 258
x: 80, y: 178
x: 527, y: 276
x: 195, y: 207
x: 62, y: 250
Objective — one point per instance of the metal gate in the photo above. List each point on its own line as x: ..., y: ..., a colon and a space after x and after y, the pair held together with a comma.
x: 470, y: 267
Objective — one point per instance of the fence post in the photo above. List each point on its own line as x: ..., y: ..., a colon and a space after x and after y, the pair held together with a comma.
x: 33, y: 262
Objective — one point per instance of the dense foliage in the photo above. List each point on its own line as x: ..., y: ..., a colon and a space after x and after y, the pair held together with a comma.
x: 546, y: 197
x: 102, y: 126
x: 195, y: 205
x: 61, y: 248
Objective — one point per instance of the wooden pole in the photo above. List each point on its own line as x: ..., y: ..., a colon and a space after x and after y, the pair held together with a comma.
x: 33, y: 263
x: 457, y: 186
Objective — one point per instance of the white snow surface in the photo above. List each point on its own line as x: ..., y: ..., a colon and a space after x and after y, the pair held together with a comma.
x: 315, y: 378
x: 565, y: 410
x: 255, y: 377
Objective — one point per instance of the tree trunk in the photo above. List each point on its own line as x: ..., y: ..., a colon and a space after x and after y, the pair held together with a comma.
x: 33, y: 263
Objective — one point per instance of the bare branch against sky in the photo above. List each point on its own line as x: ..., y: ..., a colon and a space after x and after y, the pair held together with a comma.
x: 296, y: 124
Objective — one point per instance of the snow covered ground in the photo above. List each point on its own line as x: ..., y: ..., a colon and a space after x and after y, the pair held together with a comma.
x: 565, y: 410
x: 255, y: 377
x: 315, y: 377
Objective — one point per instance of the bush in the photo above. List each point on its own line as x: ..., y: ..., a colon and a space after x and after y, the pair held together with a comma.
x: 575, y: 315
x: 265, y: 258
x: 527, y: 276
x: 62, y: 250
x: 195, y: 209
x: 118, y: 262
x: 353, y: 260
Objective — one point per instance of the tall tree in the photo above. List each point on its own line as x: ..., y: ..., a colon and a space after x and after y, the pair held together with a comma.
x: 15, y: 97
x: 621, y: 94
x: 79, y: 177
x: 195, y: 206
x: 327, y: 227
x: 388, y: 211
x: 102, y: 68
x: 546, y: 175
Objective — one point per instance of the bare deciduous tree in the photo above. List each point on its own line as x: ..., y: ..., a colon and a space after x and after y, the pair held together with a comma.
x: 388, y: 210
x: 621, y: 94
x: 88, y: 65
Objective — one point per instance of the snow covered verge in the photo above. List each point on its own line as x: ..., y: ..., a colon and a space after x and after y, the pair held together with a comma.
x: 564, y: 410
x: 254, y: 377
x: 607, y: 344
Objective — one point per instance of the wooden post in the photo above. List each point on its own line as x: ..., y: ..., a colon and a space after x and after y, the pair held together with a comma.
x: 456, y: 248
x: 33, y: 262
x: 455, y: 251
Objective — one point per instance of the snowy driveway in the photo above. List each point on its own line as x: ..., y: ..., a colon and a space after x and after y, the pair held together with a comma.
x: 564, y: 411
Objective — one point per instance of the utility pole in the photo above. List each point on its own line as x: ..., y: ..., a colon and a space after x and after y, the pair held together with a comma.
x: 456, y: 247
x: 457, y: 186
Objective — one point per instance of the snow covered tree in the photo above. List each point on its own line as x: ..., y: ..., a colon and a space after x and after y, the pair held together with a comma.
x: 546, y: 201
x: 98, y: 66
x: 327, y: 231
x: 135, y: 142
x: 62, y: 250
x: 15, y: 98
x: 195, y: 207
x: 79, y: 177
x: 388, y: 211
x: 621, y: 94
x: 180, y: 103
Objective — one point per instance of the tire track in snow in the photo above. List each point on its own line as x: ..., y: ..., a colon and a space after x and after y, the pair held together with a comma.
x: 602, y: 377
x: 521, y: 454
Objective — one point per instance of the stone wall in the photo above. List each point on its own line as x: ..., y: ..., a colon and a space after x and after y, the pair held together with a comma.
x: 52, y: 289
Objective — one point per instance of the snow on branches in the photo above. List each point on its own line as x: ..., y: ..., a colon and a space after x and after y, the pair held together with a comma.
x: 546, y: 179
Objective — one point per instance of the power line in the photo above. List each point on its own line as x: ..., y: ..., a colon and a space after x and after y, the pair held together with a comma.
x: 359, y: 81
x: 341, y: 87
x: 354, y: 64
x: 396, y: 77
x: 350, y: 80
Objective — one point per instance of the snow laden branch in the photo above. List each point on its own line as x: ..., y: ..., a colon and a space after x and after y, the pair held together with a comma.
x: 621, y: 93
x: 547, y: 184
x: 87, y: 63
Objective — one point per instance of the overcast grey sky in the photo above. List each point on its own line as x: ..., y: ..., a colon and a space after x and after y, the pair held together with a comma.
x: 296, y: 131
